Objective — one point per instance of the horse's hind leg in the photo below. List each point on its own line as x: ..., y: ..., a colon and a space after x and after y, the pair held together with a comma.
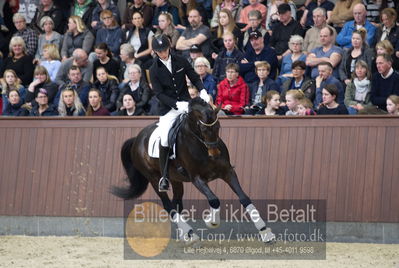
x: 213, y: 219
x: 266, y: 233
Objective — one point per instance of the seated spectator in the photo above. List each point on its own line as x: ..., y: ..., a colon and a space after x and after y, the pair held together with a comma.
x: 388, y: 30
x: 345, y: 35
x: 305, y: 107
x: 10, y: 81
x: 42, y: 81
x: 140, y: 38
x: 326, y: 53
x: 127, y: 58
x: 393, y: 105
x: 108, y: 86
x: 195, y: 34
x: 79, y: 59
x: 15, y: 105
x: 229, y: 54
x: 96, y: 21
x: 375, y: 7
x: 110, y: 33
x: 358, y: 51
x: 77, y: 36
x: 195, y: 52
x: 324, y: 78
x: 193, y: 91
x: 299, y: 81
x: 95, y: 107
x: 129, y: 106
x: 141, y: 6
x: 307, y: 17
x: 296, y: 53
x: 51, y: 60
x: 28, y: 35
x: 357, y: 94
x: 203, y: 68
x: 259, y: 53
x: 84, y: 10
x: 253, y: 5
x: 43, y: 108
x: 292, y: 98
x: 330, y: 104
x: 166, y: 27
x: 47, y: 8
x: 255, y: 20
x: 312, y: 36
x: 232, y: 5
x: 19, y: 61
x: 385, y: 47
x: 75, y: 82
x: 48, y: 37
x: 342, y: 12
x: 138, y: 88
x: 285, y: 28
x: 164, y: 6
x: 273, y: 16
x: 185, y: 7
x: 259, y: 88
x: 70, y: 104
x: 384, y: 83
x: 233, y: 92
x: 271, y: 104
x: 226, y: 24
x: 104, y: 59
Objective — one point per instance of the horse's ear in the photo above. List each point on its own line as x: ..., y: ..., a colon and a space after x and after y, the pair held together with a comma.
x: 218, y: 108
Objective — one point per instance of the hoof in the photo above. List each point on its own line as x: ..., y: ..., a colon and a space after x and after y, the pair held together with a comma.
x: 189, y: 238
x: 212, y: 225
x: 267, y: 236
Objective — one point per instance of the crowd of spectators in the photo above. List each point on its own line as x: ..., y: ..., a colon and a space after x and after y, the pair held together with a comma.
x: 255, y: 57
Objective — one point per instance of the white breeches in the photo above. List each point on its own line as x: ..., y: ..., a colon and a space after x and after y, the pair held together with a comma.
x: 165, y: 123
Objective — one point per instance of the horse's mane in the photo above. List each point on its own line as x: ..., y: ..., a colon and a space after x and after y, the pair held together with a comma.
x: 197, y: 101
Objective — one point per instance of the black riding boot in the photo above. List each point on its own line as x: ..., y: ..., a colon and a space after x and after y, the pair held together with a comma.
x: 163, y: 164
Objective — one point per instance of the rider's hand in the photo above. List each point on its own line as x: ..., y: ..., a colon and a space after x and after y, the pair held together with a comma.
x: 204, y: 95
x: 182, y: 106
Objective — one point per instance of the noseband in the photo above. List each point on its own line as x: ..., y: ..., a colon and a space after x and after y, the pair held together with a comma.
x: 207, y: 143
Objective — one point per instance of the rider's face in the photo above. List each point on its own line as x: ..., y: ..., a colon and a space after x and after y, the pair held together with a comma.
x: 163, y: 55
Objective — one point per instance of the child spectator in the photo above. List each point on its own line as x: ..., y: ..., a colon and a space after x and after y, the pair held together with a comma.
x: 70, y: 104
x: 9, y: 82
x: 193, y: 91
x: 271, y: 104
x: 393, y: 105
x: 292, y: 99
x: 95, y: 107
x: 329, y: 104
x: 259, y: 88
x: 233, y: 92
x: 305, y: 107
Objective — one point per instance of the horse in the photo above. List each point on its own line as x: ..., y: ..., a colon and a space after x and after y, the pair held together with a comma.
x: 201, y: 157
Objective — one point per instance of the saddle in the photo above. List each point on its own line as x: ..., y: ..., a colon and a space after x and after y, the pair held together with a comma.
x: 155, y: 138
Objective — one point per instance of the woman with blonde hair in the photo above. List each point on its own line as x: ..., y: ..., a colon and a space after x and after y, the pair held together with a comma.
x: 227, y: 24
x: 19, y: 61
x: 166, y: 27
x: 77, y: 36
x: 9, y: 82
x: 70, y: 104
x: 48, y: 37
x: 51, y: 60
x: 393, y: 105
x: 42, y: 81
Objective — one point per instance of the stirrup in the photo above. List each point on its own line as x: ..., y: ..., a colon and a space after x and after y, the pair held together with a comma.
x: 163, y: 185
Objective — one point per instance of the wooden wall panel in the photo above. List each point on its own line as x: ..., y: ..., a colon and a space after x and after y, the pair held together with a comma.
x: 65, y: 167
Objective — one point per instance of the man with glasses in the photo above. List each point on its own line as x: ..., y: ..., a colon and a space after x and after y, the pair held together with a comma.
x: 80, y: 59
x: 168, y: 78
x: 29, y: 35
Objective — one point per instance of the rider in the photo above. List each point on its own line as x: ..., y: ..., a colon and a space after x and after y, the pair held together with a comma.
x: 168, y: 78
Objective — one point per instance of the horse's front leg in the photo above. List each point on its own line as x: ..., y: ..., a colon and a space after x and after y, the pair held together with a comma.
x: 265, y: 233
x: 212, y: 220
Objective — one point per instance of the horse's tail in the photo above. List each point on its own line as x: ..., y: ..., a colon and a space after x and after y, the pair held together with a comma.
x: 138, y: 183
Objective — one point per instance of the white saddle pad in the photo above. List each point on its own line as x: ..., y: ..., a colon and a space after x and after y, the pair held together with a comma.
x: 153, y: 144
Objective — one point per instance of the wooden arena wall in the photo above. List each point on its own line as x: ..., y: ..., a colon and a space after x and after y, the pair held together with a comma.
x: 65, y: 167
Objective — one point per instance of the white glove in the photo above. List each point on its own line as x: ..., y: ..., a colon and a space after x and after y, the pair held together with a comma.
x: 205, y: 96
x: 182, y: 106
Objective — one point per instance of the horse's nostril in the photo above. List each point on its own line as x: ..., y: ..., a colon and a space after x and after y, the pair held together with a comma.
x: 213, y: 152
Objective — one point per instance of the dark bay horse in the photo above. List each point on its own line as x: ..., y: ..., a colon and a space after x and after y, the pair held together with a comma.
x: 201, y: 156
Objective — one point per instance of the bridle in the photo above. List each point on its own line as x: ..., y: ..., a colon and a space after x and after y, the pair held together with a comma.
x: 207, y: 143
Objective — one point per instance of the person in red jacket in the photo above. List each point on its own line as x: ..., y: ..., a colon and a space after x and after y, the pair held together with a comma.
x: 233, y: 92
